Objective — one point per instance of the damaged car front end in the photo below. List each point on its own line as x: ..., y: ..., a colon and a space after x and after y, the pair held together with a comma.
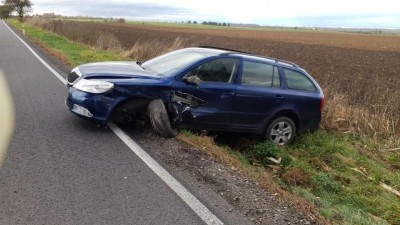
x: 103, y: 96
x: 121, y: 91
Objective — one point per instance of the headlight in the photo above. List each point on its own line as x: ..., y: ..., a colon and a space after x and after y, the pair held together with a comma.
x: 93, y: 86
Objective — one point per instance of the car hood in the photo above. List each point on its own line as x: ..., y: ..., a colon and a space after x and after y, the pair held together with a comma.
x: 115, y: 70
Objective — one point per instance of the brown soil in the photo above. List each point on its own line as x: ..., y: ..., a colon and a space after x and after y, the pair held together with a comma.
x: 129, y: 33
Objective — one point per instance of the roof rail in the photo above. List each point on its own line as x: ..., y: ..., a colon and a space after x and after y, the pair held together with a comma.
x: 226, y: 49
x: 283, y: 61
x: 252, y: 54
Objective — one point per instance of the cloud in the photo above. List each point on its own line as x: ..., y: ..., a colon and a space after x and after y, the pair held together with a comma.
x: 363, y: 20
x: 110, y: 9
x: 333, y: 13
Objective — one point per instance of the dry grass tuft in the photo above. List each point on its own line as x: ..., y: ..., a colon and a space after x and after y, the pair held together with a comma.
x: 37, y: 22
x: 108, y: 41
x: 144, y: 50
x: 373, y: 122
x: 207, y: 144
x: 296, y: 177
x: 103, y: 40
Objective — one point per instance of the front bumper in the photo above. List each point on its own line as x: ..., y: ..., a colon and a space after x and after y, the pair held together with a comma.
x: 93, y: 107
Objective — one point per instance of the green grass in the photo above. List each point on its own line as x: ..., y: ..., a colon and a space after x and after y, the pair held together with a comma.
x: 319, y: 167
x: 321, y: 170
x: 342, y: 194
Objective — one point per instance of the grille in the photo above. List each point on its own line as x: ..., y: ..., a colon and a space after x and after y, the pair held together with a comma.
x: 68, y: 103
x: 72, y: 77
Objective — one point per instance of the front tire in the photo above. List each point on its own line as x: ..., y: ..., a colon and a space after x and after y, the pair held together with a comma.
x: 281, y: 131
x: 160, y: 120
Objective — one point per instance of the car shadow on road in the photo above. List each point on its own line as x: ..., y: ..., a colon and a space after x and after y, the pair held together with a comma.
x: 85, y: 125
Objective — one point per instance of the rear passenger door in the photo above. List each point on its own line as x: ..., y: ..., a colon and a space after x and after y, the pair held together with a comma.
x: 258, y: 93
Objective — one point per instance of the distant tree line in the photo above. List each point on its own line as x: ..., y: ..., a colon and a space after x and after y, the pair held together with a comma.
x: 209, y: 23
x: 216, y: 23
x: 119, y: 20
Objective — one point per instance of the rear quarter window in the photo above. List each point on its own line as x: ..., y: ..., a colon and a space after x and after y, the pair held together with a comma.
x: 298, y: 81
x: 260, y: 74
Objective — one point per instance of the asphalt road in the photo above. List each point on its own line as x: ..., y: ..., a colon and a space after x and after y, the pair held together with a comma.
x: 60, y: 169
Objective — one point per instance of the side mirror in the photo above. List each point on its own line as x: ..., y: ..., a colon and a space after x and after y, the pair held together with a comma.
x: 192, y: 79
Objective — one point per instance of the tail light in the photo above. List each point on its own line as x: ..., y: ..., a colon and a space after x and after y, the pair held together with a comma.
x: 322, y: 103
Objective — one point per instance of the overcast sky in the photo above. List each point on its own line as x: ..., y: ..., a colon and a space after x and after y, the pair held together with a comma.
x: 326, y: 13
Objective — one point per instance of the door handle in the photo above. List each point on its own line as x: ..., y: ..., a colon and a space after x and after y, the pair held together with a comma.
x: 279, y: 97
x: 228, y: 93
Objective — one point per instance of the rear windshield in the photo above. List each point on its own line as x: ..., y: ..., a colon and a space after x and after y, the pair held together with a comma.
x: 170, y: 63
x: 298, y: 81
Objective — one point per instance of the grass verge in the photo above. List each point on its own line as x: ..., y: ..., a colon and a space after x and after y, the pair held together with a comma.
x: 348, y: 181
x: 335, y: 176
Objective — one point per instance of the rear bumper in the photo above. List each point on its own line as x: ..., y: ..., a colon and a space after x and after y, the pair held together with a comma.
x: 310, y: 124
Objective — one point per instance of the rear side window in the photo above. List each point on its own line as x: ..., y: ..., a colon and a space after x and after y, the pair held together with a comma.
x: 298, y: 81
x: 260, y: 74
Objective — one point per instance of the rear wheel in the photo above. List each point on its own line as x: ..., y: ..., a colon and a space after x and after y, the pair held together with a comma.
x: 281, y: 131
x: 160, y: 120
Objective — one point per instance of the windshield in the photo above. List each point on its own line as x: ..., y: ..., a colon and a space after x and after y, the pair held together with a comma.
x: 168, y: 64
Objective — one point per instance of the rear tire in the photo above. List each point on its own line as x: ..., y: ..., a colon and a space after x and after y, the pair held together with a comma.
x: 160, y: 120
x: 281, y: 131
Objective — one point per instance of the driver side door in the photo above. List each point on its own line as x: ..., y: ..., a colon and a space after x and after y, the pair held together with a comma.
x: 205, y: 94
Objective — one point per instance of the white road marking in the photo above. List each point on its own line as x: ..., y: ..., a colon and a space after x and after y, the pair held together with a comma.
x: 201, y: 210
x: 205, y: 214
x: 38, y: 57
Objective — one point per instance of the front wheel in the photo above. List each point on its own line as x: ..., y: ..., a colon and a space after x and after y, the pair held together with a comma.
x: 281, y: 131
x: 160, y: 120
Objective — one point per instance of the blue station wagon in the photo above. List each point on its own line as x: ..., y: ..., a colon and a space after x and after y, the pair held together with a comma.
x: 201, y: 88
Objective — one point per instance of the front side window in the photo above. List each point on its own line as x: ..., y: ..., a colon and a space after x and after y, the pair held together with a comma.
x: 260, y: 74
x: 221, y: 70
x: 298, y: 81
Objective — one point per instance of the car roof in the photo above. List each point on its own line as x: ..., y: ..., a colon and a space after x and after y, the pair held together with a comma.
x: 246, y: 55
